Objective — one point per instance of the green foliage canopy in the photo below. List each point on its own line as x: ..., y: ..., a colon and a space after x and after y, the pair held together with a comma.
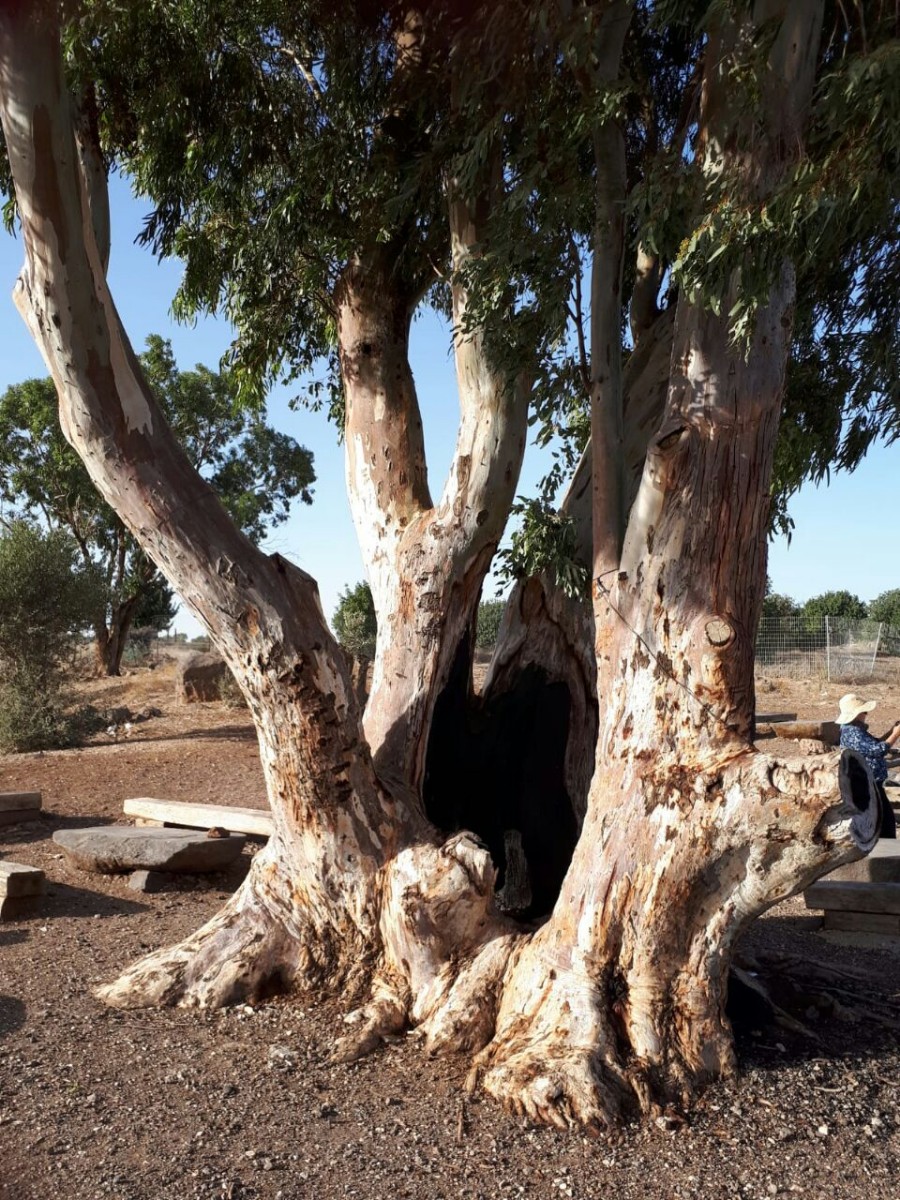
x: 280, y: 142
x: 886, y: 607
x: 490, y: 614
x: 841, y: 604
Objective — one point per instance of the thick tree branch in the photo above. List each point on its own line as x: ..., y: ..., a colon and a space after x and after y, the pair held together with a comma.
x: 93, y: 169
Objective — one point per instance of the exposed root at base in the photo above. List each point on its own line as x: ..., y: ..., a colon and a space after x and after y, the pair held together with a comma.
x: 239, y: 955
x: 383, y: 1017
x: 555, y: 1086
x: 255, y: 946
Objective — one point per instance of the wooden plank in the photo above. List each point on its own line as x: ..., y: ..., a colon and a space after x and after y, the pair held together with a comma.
x: 774, y: 718
x: 861, y: 922
x: 854, y: 897
x: 19, y: 816
x: 18, y: 879
x: 827, y: 732
x: 19, y: 800
x: 256, y: 821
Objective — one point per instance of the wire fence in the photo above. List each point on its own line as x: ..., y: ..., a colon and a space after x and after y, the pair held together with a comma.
x: 792, y: 646
x: 787, y: 646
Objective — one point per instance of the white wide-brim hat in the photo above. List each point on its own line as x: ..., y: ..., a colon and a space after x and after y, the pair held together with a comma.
x: 851, y: 706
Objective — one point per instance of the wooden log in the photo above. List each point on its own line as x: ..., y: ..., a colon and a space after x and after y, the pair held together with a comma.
x: 181, y: 813
x: 773, y: 718
x: 17, y: 801
x: 854, y: 897
x: 828, y: 732
x: 861, y: 922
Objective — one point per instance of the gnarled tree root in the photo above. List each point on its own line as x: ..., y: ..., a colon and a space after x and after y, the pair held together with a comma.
x: 255, y: 946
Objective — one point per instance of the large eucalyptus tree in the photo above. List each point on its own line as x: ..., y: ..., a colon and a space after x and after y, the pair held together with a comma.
x: 617, y: 1002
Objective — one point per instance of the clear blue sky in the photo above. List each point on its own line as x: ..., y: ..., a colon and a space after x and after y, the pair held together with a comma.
x: 842, y: 536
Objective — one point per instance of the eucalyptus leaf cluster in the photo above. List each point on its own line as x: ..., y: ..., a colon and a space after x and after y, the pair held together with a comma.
x: 544, y: 543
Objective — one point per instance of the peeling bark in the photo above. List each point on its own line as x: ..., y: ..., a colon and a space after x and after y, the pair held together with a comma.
x: 354, y: 892
x: 617, y: 1003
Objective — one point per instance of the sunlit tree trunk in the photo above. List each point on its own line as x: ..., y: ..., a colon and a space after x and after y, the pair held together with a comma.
x: 354, y: 891
x: 618, y: 1002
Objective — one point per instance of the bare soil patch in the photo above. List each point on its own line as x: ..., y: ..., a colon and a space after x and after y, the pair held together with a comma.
x: 171, y: 1105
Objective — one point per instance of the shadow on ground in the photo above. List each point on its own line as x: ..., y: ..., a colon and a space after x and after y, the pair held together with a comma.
x: 12, y: 1014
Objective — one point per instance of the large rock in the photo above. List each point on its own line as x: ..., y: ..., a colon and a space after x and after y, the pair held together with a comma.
x: 116, y: 849
x: 201, y: 677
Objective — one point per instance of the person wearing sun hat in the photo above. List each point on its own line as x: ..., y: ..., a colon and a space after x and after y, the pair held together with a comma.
x: 855, y: 736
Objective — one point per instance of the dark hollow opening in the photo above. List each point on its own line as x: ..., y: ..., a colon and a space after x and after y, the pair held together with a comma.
x: 497, y: 769
x: 858, y: 779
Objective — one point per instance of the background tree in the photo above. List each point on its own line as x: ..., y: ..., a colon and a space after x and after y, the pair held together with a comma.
x: 257, y: 472
x: 490, y: 614
x: 776, y: 605
x: 886, y: 607
x: 47, y: 599
x: 355, y: 622
x: 616, y: 1002
x: 841, y: 605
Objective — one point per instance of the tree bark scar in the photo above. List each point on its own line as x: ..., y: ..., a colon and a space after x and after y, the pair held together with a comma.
x: 719, y: 631
x: 249, y: 618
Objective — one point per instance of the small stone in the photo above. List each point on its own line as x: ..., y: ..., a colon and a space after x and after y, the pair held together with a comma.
x: 822, y: 1131
x: 282, y: 1057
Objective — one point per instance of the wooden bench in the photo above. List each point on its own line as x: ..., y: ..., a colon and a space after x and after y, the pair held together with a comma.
x: 856, y: 906
x: 16, y: 807
x: 20, y: 885
x: 147, y: 811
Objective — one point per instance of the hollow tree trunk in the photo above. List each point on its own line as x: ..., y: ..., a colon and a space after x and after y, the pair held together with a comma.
x: 541, y: 689
x: 618, y: 1003
x: 687, y: 835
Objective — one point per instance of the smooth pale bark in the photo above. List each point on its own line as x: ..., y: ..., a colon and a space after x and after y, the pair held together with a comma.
x: 426, y: 561
x: 546, y: 641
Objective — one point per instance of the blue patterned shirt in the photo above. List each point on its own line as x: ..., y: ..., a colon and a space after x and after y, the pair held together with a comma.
x: 873, y: 751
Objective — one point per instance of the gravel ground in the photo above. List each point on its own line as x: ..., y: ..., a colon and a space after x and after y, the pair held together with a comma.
x: 171, y: 1105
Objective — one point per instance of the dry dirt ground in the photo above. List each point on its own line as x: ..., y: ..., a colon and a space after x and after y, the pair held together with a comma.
x: 171, y: 1105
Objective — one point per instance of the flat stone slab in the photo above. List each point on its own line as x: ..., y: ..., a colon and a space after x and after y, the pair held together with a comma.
x: 116, y: 849
x: 882, y: 865
x: 887, y: 924
x: 150, y: 881
x: 855, y: 897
